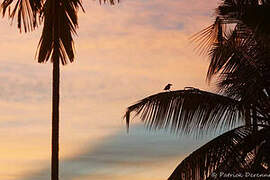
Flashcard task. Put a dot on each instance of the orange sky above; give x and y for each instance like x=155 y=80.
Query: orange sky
x=123 y=53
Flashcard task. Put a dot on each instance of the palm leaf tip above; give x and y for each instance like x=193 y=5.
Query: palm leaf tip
x=27 y=12
x=127 y=117
x=111 y=2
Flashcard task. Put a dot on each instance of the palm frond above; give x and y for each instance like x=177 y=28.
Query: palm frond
x=247 y=85
x=234 y=50
x=26 y=11
x=60 y=17
x=231 y=152
x=202 y=162
x=111 y=2
x=250 y=155
x=239 y=30
x=254 y=14
x=244 y=82
x=188 y=111
x=65 y=19
x=208 y=36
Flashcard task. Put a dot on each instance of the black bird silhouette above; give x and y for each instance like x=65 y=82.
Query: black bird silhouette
x=167 y=88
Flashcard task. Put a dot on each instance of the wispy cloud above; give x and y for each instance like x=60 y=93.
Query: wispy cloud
x=138 y=154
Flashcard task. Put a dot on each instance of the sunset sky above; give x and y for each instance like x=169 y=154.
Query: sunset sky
x=123 y=53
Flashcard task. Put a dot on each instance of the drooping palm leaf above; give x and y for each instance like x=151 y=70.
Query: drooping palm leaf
x=250 y=155
x=188 y=111
x=66 y=21
x=202 y=162
x=26 y=11
x=60 y=16
x=231 y=152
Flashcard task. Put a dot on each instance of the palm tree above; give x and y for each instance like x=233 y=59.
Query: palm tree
x=60 y=22
x=239 y=51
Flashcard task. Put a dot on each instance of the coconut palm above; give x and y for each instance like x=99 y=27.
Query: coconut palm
x=60 y=21
x=239 y=59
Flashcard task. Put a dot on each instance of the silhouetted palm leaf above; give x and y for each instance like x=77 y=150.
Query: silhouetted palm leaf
x=239 y=34
x=236 y=151
x=202 y=162
x=209 y=36
x=251 y=155
x=66 y=22
x=245 y=83
x=26 y=11
x=253 y=13
x=62 y=16
x=112 y=2
x=234 y=51
x=191 y=111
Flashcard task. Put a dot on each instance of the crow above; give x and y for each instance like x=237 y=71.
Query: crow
x=167 y=88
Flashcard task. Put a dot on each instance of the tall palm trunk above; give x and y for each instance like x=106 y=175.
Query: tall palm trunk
x=55 y=95
x=55 y=120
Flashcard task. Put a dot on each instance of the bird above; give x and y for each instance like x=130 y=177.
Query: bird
x=167 y=88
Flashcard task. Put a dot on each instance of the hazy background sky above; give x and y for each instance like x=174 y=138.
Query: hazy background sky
x=123 y=53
